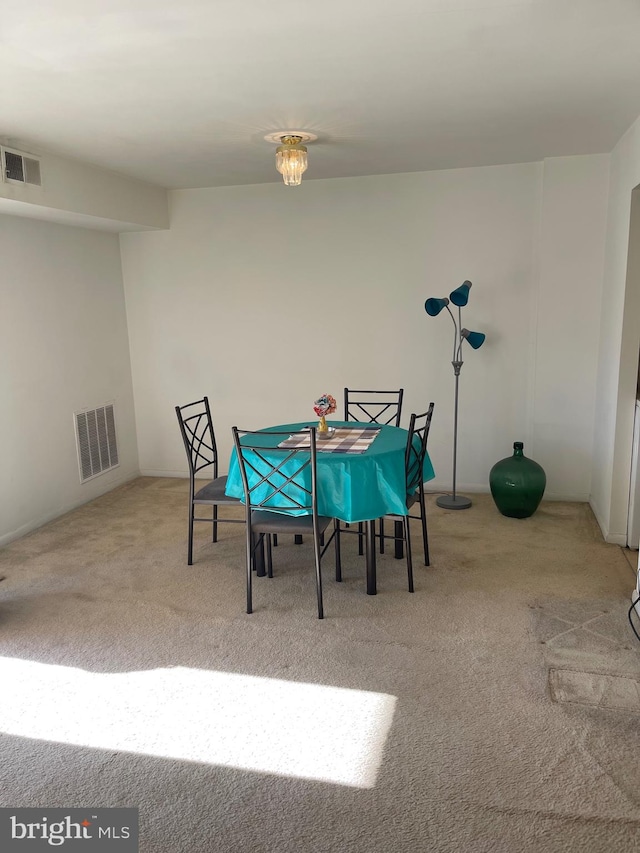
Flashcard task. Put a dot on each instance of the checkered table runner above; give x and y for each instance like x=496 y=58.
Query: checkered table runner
x=342 y=440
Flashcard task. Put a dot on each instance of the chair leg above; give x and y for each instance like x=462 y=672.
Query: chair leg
x=425 y=542
x=275 y=540
x=407 y=537
x=250 y=547
x=316 y=549
x=425 y=537
x=382 y=535
x=269 y=558
x=190 y=545
x=215 y=522
x=336 y=527
x=360 y=539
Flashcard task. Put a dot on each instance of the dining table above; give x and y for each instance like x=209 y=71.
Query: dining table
x=359 y=479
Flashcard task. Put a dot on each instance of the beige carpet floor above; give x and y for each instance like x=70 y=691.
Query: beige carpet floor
x=496 y=709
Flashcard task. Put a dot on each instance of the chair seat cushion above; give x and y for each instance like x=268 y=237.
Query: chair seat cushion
x=277 y=522
x=213 y=492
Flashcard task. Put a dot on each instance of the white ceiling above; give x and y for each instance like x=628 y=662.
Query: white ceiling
x=181 y=94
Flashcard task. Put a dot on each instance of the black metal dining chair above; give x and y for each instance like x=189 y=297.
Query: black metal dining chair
x=196 y=428
x=278 y=481
x=378 y=407
x=419 y=426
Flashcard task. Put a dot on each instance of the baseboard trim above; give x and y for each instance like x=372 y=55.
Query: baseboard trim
x=615 y=539
x=36 y=523
x=610 y=538
x=155 y=472
x=433 y=487
x=635 y=595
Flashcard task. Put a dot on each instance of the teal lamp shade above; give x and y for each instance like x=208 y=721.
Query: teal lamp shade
x=434 y=306
x=476 y=339
x=460 y=296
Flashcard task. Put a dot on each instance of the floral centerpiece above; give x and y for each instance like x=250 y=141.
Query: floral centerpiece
x=325 y=405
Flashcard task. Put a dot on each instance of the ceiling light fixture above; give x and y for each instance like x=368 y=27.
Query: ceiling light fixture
x=291 y=154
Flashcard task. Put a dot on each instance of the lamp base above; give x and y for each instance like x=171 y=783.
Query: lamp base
x=449 y=502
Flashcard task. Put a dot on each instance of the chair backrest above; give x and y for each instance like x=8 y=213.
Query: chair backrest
x=378 y=407
x=278 y=479
x=199 y=438
x=419 y=426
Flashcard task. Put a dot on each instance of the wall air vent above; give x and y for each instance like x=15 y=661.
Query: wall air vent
x=19 y=168
x=96 y=441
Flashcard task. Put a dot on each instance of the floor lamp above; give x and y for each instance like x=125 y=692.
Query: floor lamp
x=459 y=297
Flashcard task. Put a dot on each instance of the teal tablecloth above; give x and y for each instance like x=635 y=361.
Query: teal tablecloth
x=353 y=486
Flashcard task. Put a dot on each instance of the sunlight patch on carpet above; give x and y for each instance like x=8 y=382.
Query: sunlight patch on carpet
x=614 y=692
x=308 y=731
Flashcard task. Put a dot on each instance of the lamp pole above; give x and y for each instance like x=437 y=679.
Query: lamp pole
x=454 y=501
x=433 y=307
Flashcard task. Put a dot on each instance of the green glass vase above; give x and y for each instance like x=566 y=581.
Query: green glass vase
x=517 y=484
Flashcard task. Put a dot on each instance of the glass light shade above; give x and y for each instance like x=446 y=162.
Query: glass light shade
x=460 y=296
x=434 y=306
x=291 y=160
x=475 y=339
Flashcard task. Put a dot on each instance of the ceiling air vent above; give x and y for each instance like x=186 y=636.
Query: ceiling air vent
x=96 y=441
x=19 y=168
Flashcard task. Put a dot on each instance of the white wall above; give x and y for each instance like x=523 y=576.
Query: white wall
x=264 y=297
x=568 y=298
x=73 y=191
x=63 y=347
x=620 y=342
